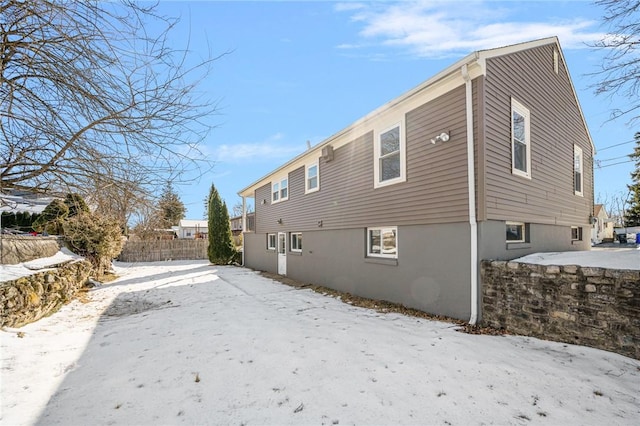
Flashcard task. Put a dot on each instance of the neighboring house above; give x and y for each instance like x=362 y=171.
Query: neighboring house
x=489 y=159
x=14 y=201
x=188 y=228
x=602 y=230
x=236 y=224
x=627 y=234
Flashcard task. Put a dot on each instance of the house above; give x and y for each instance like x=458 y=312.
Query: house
x=236 y=223
x=16 y=201
x=188 y=228
x=490 y=158
x=602 y=230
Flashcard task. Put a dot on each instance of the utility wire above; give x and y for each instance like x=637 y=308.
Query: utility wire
x=611 y=159
x=618 y=144
x=614 y=164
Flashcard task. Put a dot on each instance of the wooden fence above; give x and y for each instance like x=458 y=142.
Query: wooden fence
x=161 y=250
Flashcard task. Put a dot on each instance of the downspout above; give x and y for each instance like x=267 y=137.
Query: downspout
x=473 y=225
x=244 y=224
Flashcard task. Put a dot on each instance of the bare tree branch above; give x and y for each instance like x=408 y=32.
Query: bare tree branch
x=92 y=93
x=620 y=69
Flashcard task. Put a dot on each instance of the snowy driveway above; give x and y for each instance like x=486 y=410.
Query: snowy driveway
x=189 y=343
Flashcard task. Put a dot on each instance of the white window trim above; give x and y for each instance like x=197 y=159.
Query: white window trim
x=307 y=190
x=524 y=232
x=278 y=183
x=523 y=111
x=376 y=156
x=275 y=241
x=578 y=151
x=298 y=250
x=382 y=229
x=579 y=233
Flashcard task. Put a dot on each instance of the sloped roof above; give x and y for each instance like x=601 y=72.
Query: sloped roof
x=597 y=208
x=32 y=203
x=191 y=223
x=475 y=63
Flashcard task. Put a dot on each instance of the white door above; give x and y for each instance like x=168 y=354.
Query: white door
x=282 y=253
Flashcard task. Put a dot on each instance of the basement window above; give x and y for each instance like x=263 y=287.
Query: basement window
x=576 y=233
x=516 y=232
x=382 y=242
x=271 y=241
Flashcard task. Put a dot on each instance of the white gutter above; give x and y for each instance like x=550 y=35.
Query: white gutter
x=473 y=225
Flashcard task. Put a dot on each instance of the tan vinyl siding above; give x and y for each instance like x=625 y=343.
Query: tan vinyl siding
x=479 y=147
x=435 y=190
x=556 y=125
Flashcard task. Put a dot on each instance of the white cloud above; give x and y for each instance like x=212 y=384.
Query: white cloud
x=438 y=29
x=272 y=148
x=348 y=6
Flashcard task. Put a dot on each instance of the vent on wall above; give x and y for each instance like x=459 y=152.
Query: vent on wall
x=327 y=153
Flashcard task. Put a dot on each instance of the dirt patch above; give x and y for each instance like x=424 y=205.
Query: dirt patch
x=383 y=306
x=107 y=277
x=83 y=295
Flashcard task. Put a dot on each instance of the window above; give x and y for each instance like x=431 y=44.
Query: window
x=516 y=232
x=280 y=190
x=389 y=155
x=577 y=170
x=271 y=241
x=382 y=242
x=296 y=241
x=312 y=178
x=520 y=140
x=576 y=233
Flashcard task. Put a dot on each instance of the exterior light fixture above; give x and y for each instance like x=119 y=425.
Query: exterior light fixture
x=442 y=137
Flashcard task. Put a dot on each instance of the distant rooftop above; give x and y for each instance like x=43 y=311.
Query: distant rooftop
x=21 y=201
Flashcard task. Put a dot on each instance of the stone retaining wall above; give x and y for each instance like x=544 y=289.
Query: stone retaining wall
x=595 y=307
x=27 y=299
x=16 y=249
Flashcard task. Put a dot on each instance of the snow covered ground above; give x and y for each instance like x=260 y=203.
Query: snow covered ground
x=188 y=343
x=615 y=258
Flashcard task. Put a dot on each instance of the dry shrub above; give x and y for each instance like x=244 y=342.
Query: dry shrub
x=97 y=238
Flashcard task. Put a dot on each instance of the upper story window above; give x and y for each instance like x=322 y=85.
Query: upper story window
x=312 y=178
x=389 y=156
x=520 y=140
x=280 y=190
x=577 y=170
x=382 y=242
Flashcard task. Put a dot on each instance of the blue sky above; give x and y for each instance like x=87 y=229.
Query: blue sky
x=302 y=71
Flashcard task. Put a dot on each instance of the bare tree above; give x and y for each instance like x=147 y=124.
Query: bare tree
x=620 y=72
x=91 y=90
x=123 y=200
x=237 y=209
x=615 y=205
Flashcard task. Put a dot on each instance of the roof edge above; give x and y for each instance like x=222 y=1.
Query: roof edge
x=478 y=56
